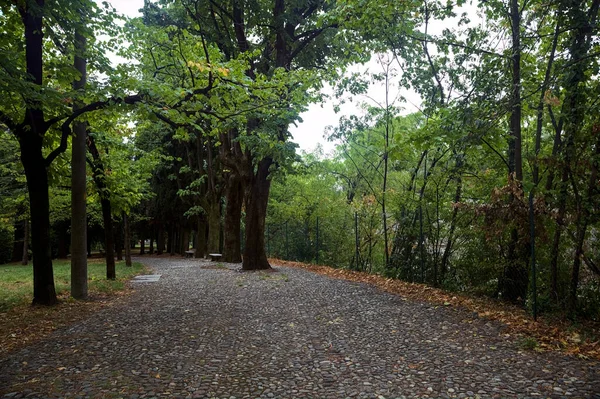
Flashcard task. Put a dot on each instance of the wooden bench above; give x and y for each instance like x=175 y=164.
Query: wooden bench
x=190 y=254
x=215 y=257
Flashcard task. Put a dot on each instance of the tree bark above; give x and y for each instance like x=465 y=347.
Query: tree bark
x=30 y=137
x=44 y=292
x=214 y=226
x=255 y=257
x=233 y=216
x=79 y=280
x=127 y=244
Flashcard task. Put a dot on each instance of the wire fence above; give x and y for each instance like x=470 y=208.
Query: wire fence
x=347 y=242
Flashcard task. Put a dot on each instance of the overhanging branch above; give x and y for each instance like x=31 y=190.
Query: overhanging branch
x=66 y=126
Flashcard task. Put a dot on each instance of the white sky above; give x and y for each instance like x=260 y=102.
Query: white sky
x=309 y=133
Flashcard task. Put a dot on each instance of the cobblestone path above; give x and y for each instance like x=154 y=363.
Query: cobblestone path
x=208 y=331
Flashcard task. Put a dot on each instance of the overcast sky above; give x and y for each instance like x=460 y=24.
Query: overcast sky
x=309 y=133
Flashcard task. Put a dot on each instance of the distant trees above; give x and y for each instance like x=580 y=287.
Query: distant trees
x=508 y=110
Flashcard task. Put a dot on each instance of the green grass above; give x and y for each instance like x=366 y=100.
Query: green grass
x=16 y=281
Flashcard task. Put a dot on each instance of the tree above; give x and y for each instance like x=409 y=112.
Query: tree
x=33 y=107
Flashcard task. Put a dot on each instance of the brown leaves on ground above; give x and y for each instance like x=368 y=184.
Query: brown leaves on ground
x=24 y=325
x=550 y=334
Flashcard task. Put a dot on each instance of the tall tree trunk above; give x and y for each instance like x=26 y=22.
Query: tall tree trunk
x=513 y=284
x=127 y=244
x=201 y=238
x=214 y=226
x=98 y=174
x=79 y=280
x=255 y=257
x=31 y=143
x=25 y=258
x=44 y=292
x=233 y=216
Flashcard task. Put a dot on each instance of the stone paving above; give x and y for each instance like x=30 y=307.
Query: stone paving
x=205 y=330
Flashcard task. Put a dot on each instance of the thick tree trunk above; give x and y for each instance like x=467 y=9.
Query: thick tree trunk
x=201 y=238
x=109 y=239
x=255 y=257
x=79 y=281
x=214 y=227
x=233 y=216
x=44 y=292
x=127 y=244
x=31 y=143
x=25 y=257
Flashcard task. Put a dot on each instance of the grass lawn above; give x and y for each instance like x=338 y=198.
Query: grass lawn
x=16 y=281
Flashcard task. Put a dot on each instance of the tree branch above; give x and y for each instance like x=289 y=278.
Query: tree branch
x=66 y=126
x=13 y=127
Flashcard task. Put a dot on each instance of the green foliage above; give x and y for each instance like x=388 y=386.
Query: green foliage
x=6 y=241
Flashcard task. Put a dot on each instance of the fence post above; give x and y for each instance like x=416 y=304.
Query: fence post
x=287 y=247
x=317 y=240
